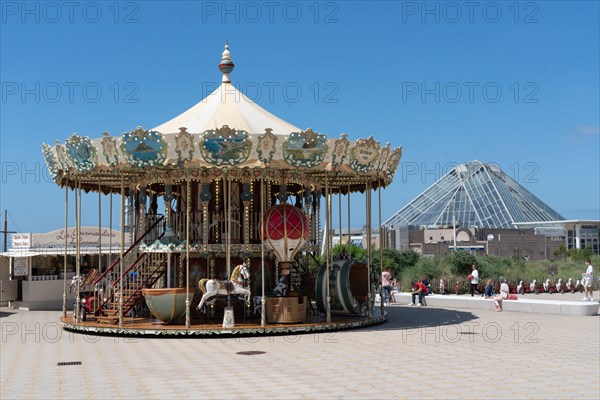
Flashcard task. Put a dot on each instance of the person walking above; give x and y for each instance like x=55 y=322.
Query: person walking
x=474 y=277
x=588 y=278
x=386 y=286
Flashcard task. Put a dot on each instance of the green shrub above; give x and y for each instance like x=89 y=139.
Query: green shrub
x=460 y=262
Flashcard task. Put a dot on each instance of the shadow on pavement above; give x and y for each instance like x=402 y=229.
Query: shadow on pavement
x=419 y=317
x=5 y=314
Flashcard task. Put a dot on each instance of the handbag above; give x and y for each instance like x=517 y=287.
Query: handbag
x=512 y=297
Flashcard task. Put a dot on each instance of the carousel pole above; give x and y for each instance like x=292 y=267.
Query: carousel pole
x=381 y=244
x=228 y=316
x=168 y=270
x=122 y=251
x=187 y=254
x=368 y=217
x=330 y=240
x=227 y=204
x=340 y=214
x=349 y=219
x=104 y=287
x=327 y=250
x=96 y=297
x=78 y=249
x=263 y=317
x=110 y=226
x=66 y=251
x=308 y=218
x=99 y=229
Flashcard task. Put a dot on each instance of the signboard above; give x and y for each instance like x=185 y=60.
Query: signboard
x=20 y=266
x=589 y=230
x=550 y=231
x=89 y=237
x=21 y=240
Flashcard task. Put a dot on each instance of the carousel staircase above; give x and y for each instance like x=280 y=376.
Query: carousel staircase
x=142 y=271
x=307 y=285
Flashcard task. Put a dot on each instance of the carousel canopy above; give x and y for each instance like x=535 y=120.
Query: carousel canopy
x=227 y=106
x=226 y=133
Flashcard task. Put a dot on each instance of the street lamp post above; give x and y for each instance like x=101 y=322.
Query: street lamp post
x=490 y=238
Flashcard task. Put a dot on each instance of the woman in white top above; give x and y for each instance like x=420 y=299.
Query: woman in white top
x=588 y=277
x=502 y=296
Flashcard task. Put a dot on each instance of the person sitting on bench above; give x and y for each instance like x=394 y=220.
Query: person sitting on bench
x=421 y=291
x=504 y=291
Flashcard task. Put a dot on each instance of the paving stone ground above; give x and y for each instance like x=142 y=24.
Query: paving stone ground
x=423 y=353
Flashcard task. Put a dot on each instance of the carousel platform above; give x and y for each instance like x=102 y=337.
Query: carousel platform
x=150 y=327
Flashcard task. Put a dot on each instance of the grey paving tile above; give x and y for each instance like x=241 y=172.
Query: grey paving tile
x=349 y=364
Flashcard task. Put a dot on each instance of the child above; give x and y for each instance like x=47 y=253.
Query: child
x=489 y=289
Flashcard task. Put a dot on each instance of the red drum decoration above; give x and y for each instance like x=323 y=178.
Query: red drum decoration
x=284 y=228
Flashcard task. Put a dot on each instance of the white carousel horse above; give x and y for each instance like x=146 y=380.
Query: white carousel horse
x=257 y=304
x=281 y=287
x=519 y=286
x=442 y=286
x=532 y=286
x=74 y=281
x=558 y=284
x=210 y=288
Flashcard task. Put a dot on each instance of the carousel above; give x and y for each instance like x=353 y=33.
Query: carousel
x=224 y=211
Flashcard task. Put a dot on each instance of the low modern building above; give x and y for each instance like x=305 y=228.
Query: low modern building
x=33 y=272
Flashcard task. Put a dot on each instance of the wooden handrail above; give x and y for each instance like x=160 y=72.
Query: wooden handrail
x=143 y=283
x=110 y=268
x=133 y=264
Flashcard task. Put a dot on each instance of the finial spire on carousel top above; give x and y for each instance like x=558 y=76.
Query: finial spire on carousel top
x=226 y=65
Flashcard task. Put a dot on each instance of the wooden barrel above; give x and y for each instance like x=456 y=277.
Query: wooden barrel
x=348 y=287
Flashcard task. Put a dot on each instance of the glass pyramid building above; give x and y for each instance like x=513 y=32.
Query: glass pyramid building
x=475 y=194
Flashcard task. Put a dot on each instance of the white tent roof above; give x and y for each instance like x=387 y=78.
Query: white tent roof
x=227 y=106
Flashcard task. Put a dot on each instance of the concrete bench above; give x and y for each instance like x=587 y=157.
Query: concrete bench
x=521 y=305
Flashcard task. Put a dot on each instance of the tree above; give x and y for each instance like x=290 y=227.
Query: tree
x=356 y=253
x=460 y=262
x=561 y=251
x=408 y=258
x=397 y=260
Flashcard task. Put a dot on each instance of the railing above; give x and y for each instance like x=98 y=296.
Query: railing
x=144 y=272
x=133 y=246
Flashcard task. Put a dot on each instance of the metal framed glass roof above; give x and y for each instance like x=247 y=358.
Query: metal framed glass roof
x=474 y=194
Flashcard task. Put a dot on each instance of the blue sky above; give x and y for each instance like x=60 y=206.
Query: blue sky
x=513 y=83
